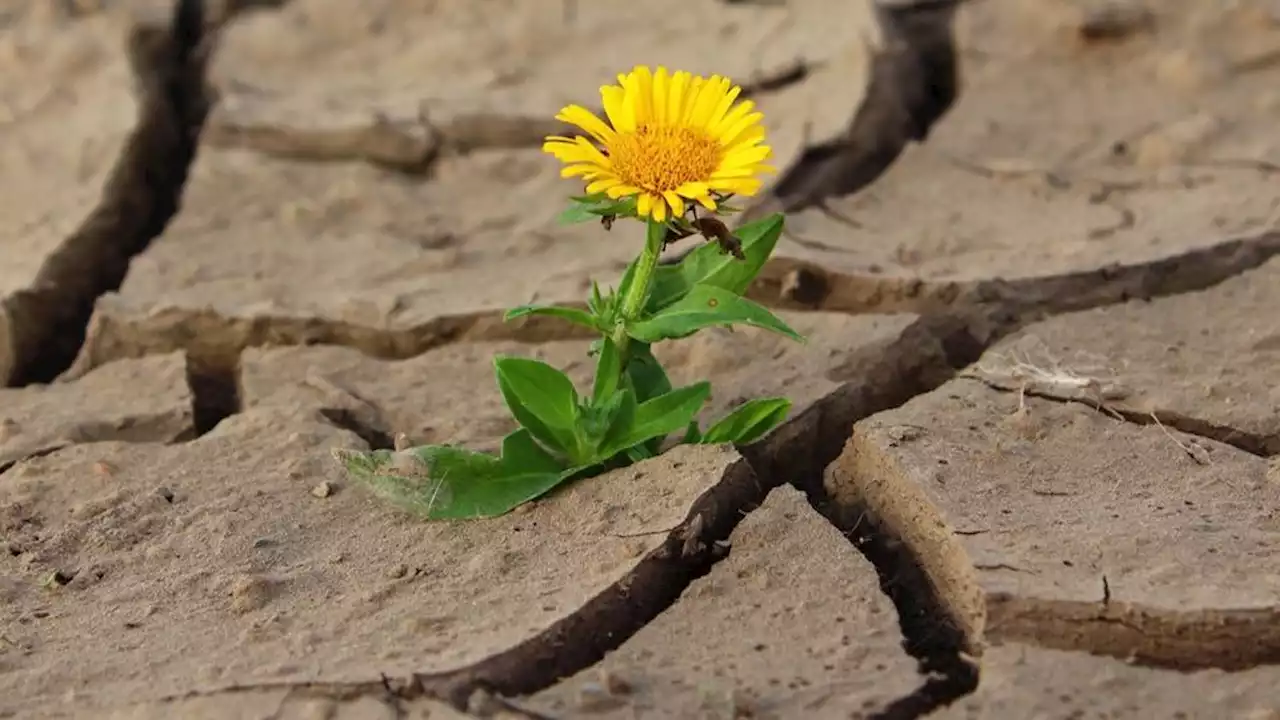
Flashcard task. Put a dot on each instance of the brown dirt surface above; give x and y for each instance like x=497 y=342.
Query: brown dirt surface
x=792 y=623
x=1033 y=467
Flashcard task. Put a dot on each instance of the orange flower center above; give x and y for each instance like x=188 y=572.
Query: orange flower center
x=662 y=158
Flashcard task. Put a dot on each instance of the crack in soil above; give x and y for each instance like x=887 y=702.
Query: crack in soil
x=785 y=283
x=1258 y=444
x=960 y=321
x=208 y=332
x=580 y=640
x=214 y=381
x=914 y=81
x=1233 y=639
x=47 y=324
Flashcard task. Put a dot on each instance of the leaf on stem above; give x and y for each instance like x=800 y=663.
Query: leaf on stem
x=573 y=315
x=707 y=306
x=748 y=422
x=441 y=482
x=585 y=208
x=658 y=417
x=708 y=264
x=608 y=371
x=542 y=399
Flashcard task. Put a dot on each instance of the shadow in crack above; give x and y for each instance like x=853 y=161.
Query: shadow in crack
x=939 y=646
x=215 y=390
x=914 y=82
x=48 y=323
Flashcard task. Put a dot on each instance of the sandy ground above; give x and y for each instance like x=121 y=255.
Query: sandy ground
x=1034 y=467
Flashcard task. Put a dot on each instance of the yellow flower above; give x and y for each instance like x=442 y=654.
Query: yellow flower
x=670 y=138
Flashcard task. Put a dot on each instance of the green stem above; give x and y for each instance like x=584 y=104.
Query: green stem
x=641 y=283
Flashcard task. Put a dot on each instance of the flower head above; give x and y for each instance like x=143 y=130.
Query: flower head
x=669 y=139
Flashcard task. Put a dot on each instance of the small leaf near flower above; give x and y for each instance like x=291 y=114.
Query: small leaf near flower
x=708 y=265
x=707 y=306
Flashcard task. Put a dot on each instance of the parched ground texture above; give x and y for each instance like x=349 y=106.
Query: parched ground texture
x=1034 y=466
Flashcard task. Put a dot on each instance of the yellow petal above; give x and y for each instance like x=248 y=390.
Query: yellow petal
x=676 y=99
x=615 y=106
x=744 y=186
x=676 y=203
x=592 y=152
x=693 y=190
x=722 y=107
x=660 y=95
x=644 y=205
x=749 y=137
x=584 y=169
x=733 y=173
x=618 y=192
x=731 y=118
x=659 y=209
x=693 y=92
x=737 y=129
x=603 y=184
x=587 y=120
x=748 y=156
x=641 y=92
x=709 y=94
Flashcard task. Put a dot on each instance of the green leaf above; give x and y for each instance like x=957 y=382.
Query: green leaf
x=620 y=428
x=659 y=417
x=749 y=422
x=648 y=378
x=521 y=451
x=596 y=303
x=592 y=207
x=708 y=264
x=441 y=482
x=608 y=372
x=707 y=306
x=693 y=434
x=573 y=315
x=597 y=421
x=542 y=399
x=575 y=214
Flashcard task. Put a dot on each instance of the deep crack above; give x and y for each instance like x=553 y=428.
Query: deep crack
x=48 y=323
x=215 y=390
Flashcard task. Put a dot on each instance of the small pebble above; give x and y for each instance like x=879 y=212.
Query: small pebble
x=398 y=571
x=165 y=493
x=323 y=490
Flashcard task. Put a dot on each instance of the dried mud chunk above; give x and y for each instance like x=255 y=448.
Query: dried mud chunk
x=145 y=400
x=1089 y=533
x=472 y=592
x=448 y=395
x=792 y=623
x=993 y=195
x=1205 y=362
x=1022 y=681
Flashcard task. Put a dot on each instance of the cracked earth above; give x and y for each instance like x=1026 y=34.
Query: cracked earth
x=1034 y=465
